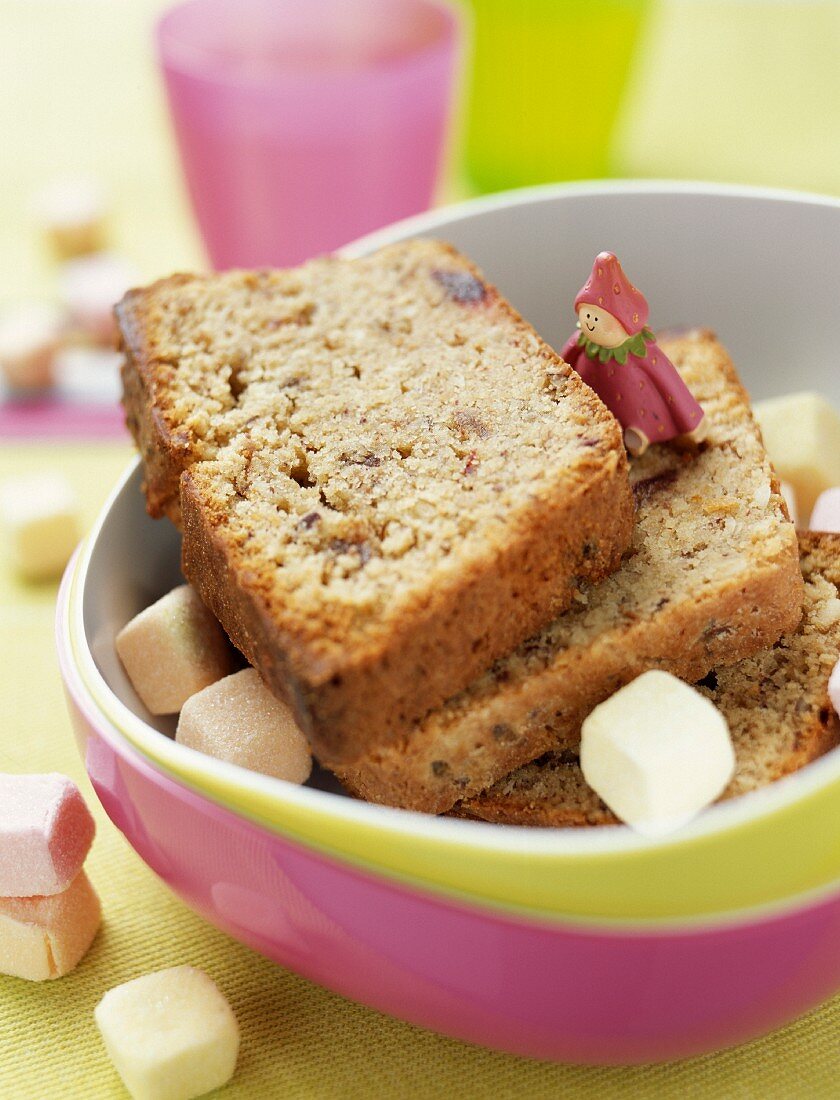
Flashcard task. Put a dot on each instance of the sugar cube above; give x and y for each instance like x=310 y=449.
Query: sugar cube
x=171 y=1035
x=238 y=719
x=71 y=211
x=46 y=937
x=46 y=831
x=826 y=513
x=30 y=335
x=656 y=752
x=90 y=286
x=39 y=513
x=802 y=435
x=173 y=649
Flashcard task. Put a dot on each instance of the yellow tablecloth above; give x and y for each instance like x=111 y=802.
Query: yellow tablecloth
x=78 y=92
x=298 y=1041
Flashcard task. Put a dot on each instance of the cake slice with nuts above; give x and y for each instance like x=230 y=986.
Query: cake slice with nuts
x=385 y=479
x=712 y=577
x=776 y=704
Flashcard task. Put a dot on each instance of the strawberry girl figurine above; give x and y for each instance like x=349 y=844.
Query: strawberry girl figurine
x=616 y=354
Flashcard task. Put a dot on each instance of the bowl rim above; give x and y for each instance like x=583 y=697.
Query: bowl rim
x=549 y=920
x=546 y=192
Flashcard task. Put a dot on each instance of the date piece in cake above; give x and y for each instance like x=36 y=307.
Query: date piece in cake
x=776 y=703
x=713 y=576
x=385 y=479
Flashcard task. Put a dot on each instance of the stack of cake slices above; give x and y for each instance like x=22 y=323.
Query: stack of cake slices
x=421 y=528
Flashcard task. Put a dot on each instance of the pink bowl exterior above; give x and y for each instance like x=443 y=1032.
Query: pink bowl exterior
x=561 y=991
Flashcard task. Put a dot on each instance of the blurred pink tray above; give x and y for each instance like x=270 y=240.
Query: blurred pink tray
x=53 y=418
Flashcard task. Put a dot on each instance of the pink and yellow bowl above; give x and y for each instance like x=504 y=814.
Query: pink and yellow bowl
x=580 y=945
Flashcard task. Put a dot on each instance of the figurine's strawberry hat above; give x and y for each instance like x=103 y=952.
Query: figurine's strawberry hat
x=609 y=288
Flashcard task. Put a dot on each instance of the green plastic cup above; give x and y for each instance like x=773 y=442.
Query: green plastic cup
x=546 y=86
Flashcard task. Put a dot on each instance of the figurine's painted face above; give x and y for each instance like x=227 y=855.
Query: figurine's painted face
x=601 y=327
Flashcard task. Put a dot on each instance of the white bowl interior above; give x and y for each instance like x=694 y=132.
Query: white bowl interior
x=747 y=264
x=758 y=267
x=127 y=582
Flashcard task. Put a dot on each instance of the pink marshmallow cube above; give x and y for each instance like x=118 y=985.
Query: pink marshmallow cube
x=826 y=513
x=46 y=831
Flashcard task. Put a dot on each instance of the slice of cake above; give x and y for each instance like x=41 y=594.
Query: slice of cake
x=776 y=703
x=713 y=576
x=385 y=479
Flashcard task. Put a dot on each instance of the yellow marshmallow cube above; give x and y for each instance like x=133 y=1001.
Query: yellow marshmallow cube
x=657 y=752
x=173 y=649
x=39 y=513
x=171 y=1035
x=72 y=213
x=802 y=435
x=238 y=719
x=46 y=937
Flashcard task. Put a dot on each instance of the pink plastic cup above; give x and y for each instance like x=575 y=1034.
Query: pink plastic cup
x=304 y=124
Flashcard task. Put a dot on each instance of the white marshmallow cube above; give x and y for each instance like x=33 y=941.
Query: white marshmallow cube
x=173 y=649
x=238 y=719
x=39 y=514
x=171 y=1035
x=657 y=752
x=802 y=435
x=71 y=211
x=90 y=287
x=89 y=375
x=30 y=336
x=826 y=513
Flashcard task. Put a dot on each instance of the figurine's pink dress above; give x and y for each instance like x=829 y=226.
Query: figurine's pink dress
x=646 y=394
